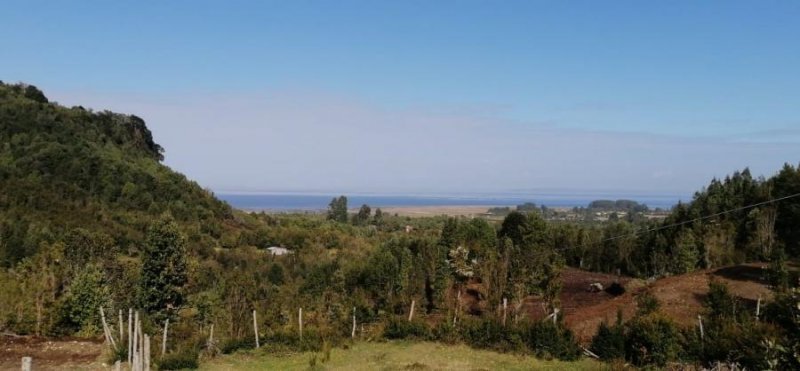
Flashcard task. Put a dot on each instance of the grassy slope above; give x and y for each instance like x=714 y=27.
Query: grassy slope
x=400 y=355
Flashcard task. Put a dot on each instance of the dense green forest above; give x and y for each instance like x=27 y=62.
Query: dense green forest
x=89 y=217
x=62 y=168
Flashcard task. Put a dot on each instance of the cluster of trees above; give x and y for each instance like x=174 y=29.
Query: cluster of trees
x=618 y=205
x=91 y=218
x=337 y=211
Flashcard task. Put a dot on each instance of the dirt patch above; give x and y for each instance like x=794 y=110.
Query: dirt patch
x=681 y=297
x=49 y=354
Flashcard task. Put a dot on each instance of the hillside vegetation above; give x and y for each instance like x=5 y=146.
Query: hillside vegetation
x=90 y=219
x=62 y=168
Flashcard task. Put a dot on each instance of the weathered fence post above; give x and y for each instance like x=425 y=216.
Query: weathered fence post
x=353 y=333
x=210 y=344
x=700 y=323
x=130 y=335
x=255 y=328
x=300 y=321
x=107 y=330
x=164 y=341
x=121 y=324
x=141 y=345
x=411 y=312
x=26 y=363
x=146 y=352
x=758 y=307
x=135 y=337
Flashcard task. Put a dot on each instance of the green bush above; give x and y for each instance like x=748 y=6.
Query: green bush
x=397 y=328
x=118 y=354
x=647 y=303
x=609 y=342
x=547 y=339
x=652 y=339
x=232 y=345
x=178 y=361
x=312 y=340
x=490 y=334
x=446 y=333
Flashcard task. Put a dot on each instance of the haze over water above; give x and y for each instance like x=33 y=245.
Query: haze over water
x=319 y=201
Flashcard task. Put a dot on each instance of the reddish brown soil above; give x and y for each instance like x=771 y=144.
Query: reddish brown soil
x=50 y=354
x=681 y=297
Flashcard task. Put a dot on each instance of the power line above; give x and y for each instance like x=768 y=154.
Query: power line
x=636 y=233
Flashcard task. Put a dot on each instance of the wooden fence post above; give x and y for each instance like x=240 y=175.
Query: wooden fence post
x=210 y=344
x=255 y=328
x=411 y=312
x=146 y=353
x=353 y=333
x=164 y=341
x=121 y=324
x=141 y=345
x=300 y=321
x=130 y=335
x=700 y=323
x=135 y=336
x=758 y=307
x=107 y=330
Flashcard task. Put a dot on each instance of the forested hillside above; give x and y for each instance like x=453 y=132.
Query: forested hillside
x=734 y=220
x=62 y=168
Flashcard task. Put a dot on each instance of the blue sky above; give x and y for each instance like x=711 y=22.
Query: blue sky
x=460 y=96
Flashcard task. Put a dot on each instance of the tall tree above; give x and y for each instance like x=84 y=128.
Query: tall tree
x=378 y=218
x=163 y=274
x=363 y=215
x=337 y=209
x=787 y=183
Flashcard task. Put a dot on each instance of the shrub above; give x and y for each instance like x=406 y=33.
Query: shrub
x=398 y=328
x=546 y=338
x=446 y=333
x=178 y=361
x=720 y=302
x=78 y=309
x=312 y=340
x=646 y=303
x=118 y=354
x=609 y=342
x=489 y=334
x=652 y=339
x=231 y=345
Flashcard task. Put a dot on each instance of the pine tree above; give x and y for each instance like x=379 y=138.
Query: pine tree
x=163 y=274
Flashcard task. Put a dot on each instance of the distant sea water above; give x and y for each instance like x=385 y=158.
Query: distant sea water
x=315 y=202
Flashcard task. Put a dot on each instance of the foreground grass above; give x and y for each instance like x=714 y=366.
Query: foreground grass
x=399 y=355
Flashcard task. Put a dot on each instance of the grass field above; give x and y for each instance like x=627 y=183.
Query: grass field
x=400 y=355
